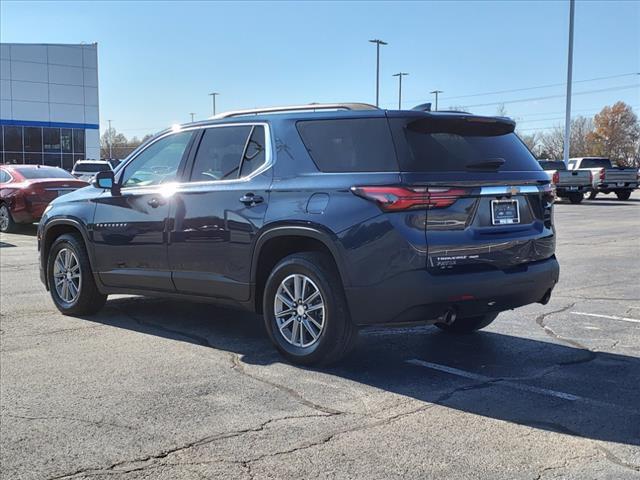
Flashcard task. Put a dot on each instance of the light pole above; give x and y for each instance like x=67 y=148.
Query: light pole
x=110 y=137
x=213 y=98
x=378 y=43
x=192 y=115
x=400 y=75
x=567 y=120
x=436 y=92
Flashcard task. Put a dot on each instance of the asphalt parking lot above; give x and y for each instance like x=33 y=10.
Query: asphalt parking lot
x=156 y=389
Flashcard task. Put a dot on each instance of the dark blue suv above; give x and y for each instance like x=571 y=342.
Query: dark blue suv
x=323 y=218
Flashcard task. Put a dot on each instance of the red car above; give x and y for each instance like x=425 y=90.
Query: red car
x=26 y=190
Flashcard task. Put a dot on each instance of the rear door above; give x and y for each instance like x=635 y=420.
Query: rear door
x=219 y=210
x=490 y=202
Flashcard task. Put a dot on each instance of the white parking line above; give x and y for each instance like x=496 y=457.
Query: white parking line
x=610 y=317
x=517 y=386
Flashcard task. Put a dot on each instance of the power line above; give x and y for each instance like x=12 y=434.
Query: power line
x=541 y=86
x=531 y=99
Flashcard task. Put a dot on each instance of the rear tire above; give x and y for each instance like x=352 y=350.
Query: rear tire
x=319 y=290
x=592 y=195
x=7 y=225
x=68 y=262
x=576 y=197
x=623 y=194
x=468 y=324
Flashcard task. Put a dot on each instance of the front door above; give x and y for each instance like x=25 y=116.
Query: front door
x=130 y=227
x=219 y=211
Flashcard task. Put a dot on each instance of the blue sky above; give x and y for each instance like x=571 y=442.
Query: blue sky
x=159 y=60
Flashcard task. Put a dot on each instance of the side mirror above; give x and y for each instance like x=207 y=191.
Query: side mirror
x=106 y=180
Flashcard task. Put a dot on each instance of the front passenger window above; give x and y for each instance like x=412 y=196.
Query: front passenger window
x=158 y=163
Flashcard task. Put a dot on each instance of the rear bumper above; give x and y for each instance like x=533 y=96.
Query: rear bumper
x=612 y=186
x=418 y=296
x=567 y=190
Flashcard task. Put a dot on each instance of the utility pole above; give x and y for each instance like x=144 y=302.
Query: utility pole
x=378 y=43
x=192 y=115
x=567 y=120
x=110 y=137
x=400 y=75
x=436 y=92
x=213 y=97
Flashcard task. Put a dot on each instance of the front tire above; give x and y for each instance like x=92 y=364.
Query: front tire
x=305 y=310
x=70 y=278
x=7 y=225
x=576 y=197
x=468 y=324
x=623 y=194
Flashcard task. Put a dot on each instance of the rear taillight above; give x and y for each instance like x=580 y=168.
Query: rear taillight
x=602 y=174
x=590 y=176
x=394 y=199
x=549 y=193
x=556 y=178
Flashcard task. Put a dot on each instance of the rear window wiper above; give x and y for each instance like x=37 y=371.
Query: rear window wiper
x=488 y=164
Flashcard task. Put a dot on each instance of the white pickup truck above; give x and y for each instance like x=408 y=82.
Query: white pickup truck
x=571 y=184
x=606 y=177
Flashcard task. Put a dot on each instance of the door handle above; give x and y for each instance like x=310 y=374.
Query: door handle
x=155 y=202
x=250 y=199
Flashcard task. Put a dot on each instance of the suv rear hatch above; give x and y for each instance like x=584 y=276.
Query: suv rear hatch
x=488 y=202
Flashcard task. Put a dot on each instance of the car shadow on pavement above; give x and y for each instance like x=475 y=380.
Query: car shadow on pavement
x=540 y=384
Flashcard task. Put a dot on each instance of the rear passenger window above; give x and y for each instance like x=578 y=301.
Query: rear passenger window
x=219 y=153
x=349 y=145
x=255 y=154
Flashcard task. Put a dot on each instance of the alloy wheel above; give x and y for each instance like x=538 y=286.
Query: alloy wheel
x=67 y=276
x=299 y=310
x=4 y=218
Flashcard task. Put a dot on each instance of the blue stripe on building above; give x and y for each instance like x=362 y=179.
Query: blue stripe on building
x=29 y=123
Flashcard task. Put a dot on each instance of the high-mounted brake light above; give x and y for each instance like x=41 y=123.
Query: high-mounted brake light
x=394 y=199
x=556 y=177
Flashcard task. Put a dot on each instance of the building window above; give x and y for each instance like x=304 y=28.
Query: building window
x=51 y=140
x=13 y=157
x=78 y=142
x=66 y=140
x=67 y=161
x=53 y=159
x=13 y=139
x=33 y=139
x=33 y=158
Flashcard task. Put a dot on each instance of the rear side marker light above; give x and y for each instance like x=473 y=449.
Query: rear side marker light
x=395 y=199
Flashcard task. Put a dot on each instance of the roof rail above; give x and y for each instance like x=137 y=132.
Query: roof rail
x=298 y=108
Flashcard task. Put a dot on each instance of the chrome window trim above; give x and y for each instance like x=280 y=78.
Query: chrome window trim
x=265 y=166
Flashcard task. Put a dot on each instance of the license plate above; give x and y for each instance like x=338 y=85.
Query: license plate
x=573 y=188
x=621 y=184
x=505 y=212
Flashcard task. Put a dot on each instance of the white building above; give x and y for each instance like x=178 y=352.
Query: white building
x=49 y=103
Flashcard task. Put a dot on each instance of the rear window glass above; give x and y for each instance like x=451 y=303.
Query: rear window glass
x=552 y=165
x=349 y=145
x=595 y=163
x=92 y=167
x=456 y=147
x=43 y=172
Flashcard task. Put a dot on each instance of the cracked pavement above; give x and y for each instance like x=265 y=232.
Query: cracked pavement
x=157 y=389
